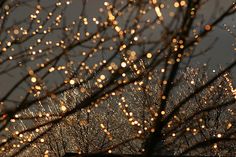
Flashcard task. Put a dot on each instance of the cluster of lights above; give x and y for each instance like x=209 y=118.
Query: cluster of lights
x=106 y=131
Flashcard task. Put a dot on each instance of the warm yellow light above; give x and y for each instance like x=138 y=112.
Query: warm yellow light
x=117 y=28
x=110 y=16
x=163 y=112
x=72 y=82
x=41 y=140
x=51 y=69
x=149 y=55
x=176 y=4
x=158 y=11
x=123 y=64
x=38 y=87
x=207 y=27
x=102 y=77
x=33 y=79
x=229 y=126
x=63 y=108
x=16 y=31
x=102 y=126
x=182 y=3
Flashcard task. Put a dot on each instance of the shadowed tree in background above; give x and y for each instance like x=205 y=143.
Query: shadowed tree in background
x=121 y=123
x=127 y=50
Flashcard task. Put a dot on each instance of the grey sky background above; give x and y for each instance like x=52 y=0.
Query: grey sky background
x=221 y=54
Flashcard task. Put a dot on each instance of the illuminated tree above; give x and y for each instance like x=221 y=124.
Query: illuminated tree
x=49 y=51
x=121 y=123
